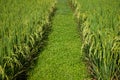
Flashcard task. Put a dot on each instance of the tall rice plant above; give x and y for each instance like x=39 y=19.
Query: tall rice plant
x=100 y=27
x=22 y=24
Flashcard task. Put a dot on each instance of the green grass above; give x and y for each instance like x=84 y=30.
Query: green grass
x=62 y=58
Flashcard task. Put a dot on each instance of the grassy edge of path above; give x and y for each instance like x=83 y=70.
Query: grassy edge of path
x=61 y=59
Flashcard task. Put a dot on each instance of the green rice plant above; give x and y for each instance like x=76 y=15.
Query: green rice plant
x=99 y=26
x=22 y=24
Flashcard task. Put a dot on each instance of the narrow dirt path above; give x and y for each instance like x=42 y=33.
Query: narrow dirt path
x=62 y=58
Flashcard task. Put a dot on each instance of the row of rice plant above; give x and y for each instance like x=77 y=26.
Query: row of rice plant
x=99 y=22
x=22 y=24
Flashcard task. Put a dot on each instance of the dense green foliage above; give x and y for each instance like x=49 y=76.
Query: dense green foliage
x=99 y=22
x=22 y=24
x=62 y=58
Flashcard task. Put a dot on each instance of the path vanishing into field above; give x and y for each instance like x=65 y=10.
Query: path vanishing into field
x=62 y=57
